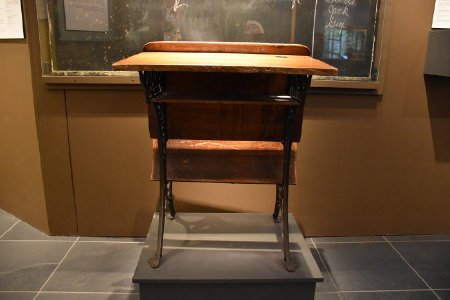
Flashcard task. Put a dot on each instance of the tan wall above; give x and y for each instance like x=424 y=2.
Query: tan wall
x=21 y=185
x=51 y=121
x=111 y=162
x=367 y=164
x=377 y=165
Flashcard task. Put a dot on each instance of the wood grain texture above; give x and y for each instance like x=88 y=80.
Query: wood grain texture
x=226 y=121
x=227 y=47
x=224 y=62
x=225 y=84
x=224 y=161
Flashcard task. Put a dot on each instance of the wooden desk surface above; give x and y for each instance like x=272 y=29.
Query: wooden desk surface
x=225 y=62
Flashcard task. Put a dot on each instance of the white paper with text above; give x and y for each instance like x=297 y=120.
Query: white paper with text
x=11 y=23
x=441 y=17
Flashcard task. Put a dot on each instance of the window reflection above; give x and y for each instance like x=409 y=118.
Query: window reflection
x=346 y=44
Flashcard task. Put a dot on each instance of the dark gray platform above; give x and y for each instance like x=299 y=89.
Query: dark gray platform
x=226 y=256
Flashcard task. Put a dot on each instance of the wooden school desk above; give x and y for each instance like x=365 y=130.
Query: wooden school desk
x=225 y=112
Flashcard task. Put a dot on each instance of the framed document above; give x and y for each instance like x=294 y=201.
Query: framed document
x=11 y=21
x=441 y=16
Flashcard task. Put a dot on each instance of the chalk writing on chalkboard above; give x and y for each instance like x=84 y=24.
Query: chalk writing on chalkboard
x=344 y=35
x=339 y=12
x=340 y=32
x=178 y=5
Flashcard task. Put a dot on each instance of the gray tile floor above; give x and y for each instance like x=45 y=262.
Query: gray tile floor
x=36 y=266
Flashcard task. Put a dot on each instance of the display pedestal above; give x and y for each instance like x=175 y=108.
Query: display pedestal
x=226 y=256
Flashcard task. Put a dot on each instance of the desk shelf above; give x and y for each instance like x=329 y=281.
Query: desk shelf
x=225 y=161
x=236 y=98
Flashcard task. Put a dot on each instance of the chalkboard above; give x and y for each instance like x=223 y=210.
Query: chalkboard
x=340 y=32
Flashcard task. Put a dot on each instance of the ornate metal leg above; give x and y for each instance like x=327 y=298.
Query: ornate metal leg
x=170 y=209
x=278 y=201
x=153 y=83
x=297 y=90
x=163 y=188
x=287 y=144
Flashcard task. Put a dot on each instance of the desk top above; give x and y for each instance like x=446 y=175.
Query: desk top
x=224 y=62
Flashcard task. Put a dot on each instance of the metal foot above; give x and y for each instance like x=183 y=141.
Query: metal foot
x=154 y=261
x=291 y=266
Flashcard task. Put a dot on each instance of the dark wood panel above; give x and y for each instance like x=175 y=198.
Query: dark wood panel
x=224 y=161
x=225 y=83
x=226 y=121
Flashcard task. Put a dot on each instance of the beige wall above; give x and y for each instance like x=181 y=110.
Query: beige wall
x=367 y=164
x=111 y=162
x=375 y=165
x=51 y=121
x=21 y=185
x=35 y=177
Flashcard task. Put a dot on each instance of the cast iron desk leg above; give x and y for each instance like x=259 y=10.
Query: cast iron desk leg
x=287 y=144
x=298 y=86
x=153 y=86
x=164 y=189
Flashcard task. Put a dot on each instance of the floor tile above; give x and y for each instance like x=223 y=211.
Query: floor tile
x=368 y=266
x=112 y=239
x=430 y=259
x=87 y=296
x=17 y=295
x=23 y=231
x=97 y=267
x=412 y=238
x=350 y=239
x=401 y=295
x=327 y=296
x=25 y=266
x=6 y=221
x=445 y=295
x=327 y=284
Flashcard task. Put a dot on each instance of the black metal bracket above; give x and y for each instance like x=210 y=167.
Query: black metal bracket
x=153 y=83
x=298 y=87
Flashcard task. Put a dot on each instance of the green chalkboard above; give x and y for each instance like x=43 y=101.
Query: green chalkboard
x=340 y=32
